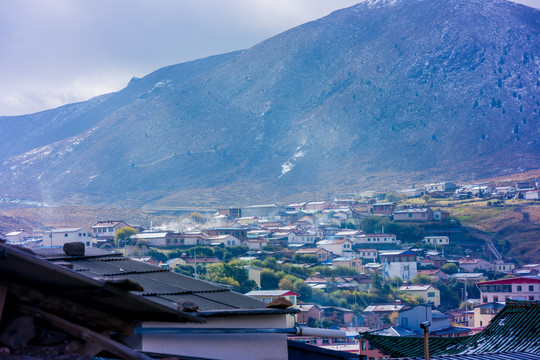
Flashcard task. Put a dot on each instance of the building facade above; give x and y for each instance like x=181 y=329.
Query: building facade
x=520 y=288
x=398 y=263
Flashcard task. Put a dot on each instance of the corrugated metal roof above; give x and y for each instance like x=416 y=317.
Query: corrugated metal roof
x=491 y=356
x=166 y=288
x=203 y=303
x=166 y=282
x=58 y=252
x=515 y=328
x=30 y=270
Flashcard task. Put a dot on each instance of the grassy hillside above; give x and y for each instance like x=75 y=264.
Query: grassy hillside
x=514 y=226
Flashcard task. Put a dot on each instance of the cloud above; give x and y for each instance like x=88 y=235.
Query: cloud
x=61 y=51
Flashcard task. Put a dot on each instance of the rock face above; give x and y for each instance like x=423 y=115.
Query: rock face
x=382 y=93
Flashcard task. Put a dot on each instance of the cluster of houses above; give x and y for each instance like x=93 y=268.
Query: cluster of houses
x=316 y=233
x=297 y=223
x=507 y=189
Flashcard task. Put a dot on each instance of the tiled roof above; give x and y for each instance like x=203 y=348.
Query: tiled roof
x=415 y=210
x=107 y=224
x=514 y=329
x=518 y=280
x=428 y=272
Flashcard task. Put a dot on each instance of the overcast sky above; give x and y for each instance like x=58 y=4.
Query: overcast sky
x=54 y=52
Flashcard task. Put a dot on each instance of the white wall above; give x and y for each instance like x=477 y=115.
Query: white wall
x=59 y=239
x=222 y=346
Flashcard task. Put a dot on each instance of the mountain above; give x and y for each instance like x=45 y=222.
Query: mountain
x=384 y=93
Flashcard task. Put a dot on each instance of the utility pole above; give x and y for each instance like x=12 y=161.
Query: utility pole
x=425 y=326
x=195 y=263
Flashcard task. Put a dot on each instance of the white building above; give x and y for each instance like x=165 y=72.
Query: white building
x=58 y=237
x=107 y=229
x=437 y=240
x=375 y=239
x=398 y=263
x=17 y=236
x=226 y=240
x=532 y=195
x=444 y=186
x=338 y=247
x=368 y=253
x=412 y=193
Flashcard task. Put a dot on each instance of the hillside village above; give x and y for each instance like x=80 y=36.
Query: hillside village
x=382 y=265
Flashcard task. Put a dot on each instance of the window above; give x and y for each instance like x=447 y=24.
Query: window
x=431 y=294
x=364 y=344
x=404 y=322
x=495 y=298
x=519 y=288
x=531 y=298
x=484 y=299
x=110 y=229
x=531 y=287
x=66 y=235
x=410 y=215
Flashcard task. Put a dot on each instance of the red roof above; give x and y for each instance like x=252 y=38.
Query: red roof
x=428 y=272
x=519 y=280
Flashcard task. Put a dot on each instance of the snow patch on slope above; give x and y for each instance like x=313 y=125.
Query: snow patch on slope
x=289 y=165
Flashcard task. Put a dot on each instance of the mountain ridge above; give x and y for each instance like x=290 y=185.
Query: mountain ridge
x=378 y=94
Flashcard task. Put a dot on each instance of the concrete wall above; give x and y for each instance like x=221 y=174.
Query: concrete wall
x=222 y=346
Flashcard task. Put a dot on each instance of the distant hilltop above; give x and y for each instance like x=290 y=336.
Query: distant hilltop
x=401 y=92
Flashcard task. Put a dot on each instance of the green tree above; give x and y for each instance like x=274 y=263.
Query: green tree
x=269 y=280
x=421 y=279
x=426 y=198
x=233 y=275
x=391 y=197
x=158 y=255
x=450 y=268
x=304 y=291
x=124 y=236
x=196 y=217
x=286 y=284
